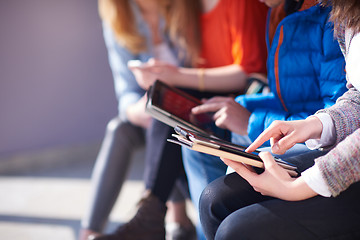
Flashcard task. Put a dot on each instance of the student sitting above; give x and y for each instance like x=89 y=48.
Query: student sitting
x=267 y=205
x=305 y=73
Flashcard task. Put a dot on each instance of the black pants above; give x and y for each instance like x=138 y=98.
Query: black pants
x=163 y=162
x=231 y=209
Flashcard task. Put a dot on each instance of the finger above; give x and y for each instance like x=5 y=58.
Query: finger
x=263 y=137
x=284 y=144
x=271 y=165
x=219 y=114
x=288 y=141
x=241 y=169
x=142 y=69
x=281 y=143
x=217 y=99
x=160 y=62
x=152 y=61
x=206 y=107
x=274 y=145
x=132 y=68
x=220 y=121
x=268 y=160
x=273 y=141
x=273 y=131
x=251 y=169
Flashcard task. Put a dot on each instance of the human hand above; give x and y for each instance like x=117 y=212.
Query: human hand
x=137 y=115
x=285 y=134
x=228 y=113
x=275 y=181
x=149 y=72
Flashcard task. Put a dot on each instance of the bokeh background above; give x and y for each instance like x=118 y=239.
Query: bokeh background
x=56 y=87
x=56 y=97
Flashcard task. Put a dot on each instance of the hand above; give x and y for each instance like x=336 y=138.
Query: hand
x=228 y=113
x=137 y=115
x=285 y=134
x=152 y=70
x=274 y=181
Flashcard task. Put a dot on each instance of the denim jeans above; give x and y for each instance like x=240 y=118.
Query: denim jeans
x=201 y=169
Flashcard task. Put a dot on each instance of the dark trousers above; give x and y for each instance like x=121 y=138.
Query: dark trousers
x=163 y=163
x=231 y=209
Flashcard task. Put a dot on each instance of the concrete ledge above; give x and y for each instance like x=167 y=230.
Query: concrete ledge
x=35 y=231
x=48 y=158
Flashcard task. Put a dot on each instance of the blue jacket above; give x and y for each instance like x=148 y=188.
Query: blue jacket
x=305 y=71
x=126 y=88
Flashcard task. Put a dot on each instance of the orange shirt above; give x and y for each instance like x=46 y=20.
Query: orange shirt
x=234 y=33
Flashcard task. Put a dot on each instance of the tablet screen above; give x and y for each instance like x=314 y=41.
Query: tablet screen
x=179 y=104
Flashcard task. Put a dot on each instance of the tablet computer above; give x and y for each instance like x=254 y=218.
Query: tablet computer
x=173 y=106
x=222 y=148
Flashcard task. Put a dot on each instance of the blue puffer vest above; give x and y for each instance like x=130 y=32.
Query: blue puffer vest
x=305 y=71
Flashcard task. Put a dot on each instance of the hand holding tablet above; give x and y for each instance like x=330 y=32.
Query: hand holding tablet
x=224 y=149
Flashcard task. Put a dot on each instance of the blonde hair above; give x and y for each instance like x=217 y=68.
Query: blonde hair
x=182 y=23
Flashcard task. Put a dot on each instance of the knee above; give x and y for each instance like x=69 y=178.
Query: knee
x=214 y=193
x=210 y=203
x=118 y=127
x=118 y=130
x=125 y=133
x=252 y=222
x=208 y=198
x=114 y=124
x=229 y=231
x=234 y=227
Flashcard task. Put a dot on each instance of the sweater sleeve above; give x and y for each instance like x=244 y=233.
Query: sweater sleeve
x=341 y=166
x=345 y=114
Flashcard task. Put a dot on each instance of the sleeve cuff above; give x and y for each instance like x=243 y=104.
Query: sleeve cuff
x=328 y=135
x=312 y=177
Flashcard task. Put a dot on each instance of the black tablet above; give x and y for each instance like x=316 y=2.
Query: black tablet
x=173 y=107
x=222 y=148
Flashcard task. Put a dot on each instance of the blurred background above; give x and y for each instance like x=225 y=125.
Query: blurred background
x=56 y=97
x=56 y=85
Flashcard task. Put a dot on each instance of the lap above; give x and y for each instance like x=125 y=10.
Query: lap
x=258 y=217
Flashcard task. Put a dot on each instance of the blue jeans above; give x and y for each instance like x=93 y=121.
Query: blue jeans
x=201 y=169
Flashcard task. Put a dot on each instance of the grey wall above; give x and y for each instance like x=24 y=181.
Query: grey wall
x=56 y=87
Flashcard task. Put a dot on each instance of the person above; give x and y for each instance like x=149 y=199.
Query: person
x=246 y=20
x=128 y=38
x=323 y=202
x=303 y=76
x=223 y=62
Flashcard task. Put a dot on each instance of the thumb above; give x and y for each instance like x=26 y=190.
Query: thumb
x=269 y=161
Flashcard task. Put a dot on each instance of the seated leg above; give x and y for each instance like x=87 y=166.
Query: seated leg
x=110 y=170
